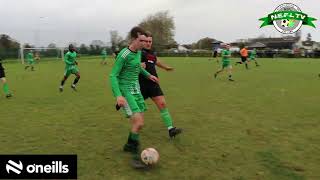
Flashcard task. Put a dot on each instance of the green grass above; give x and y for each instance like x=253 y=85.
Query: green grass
x=263 y=126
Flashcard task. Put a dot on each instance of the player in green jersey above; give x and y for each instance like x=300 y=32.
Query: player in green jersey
x=253 y=55
x=104 y=56
x=30 y=61
x=4 y=81
x=124 y=80
x=70 y=68
x=226 y=62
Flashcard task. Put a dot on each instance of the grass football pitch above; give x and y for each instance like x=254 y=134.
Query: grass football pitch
x=263 y=126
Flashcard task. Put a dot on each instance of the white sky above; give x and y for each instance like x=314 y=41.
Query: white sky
x=63 y=21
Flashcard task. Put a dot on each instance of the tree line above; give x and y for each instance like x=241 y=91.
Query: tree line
x=160 y=24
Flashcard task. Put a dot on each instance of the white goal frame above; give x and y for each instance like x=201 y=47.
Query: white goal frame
x=22 y=50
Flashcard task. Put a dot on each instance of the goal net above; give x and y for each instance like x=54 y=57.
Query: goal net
x=42 y=53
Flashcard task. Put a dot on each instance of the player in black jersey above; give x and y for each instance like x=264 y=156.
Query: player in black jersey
x=150 y=89
x=115 y=53
x=4 y=81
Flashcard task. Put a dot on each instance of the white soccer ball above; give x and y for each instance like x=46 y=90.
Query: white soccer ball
x=285 y=22
x=150 y=156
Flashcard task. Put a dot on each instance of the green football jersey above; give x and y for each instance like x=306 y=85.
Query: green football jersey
x=253 y=54
x=30 y=56
x=225 y=54
x=70 y=58
x=104 y=53
x=125 y=72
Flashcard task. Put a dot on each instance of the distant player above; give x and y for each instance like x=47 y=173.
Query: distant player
x=226 y=62
x=150 y=89
x=253 y=55
x=70 y=68
x=244 y=56
x=124 y=79
x=30 y=61
x=116 y=52
x=214 y=55
x=4 y=81
x=104 y=56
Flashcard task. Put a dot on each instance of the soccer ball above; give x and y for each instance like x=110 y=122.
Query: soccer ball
x=150 y=156
x=285 y=22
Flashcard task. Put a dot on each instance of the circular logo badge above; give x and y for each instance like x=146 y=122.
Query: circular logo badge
x=287 y=26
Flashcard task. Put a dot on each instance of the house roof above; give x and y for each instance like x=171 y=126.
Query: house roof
x=257 y=45
x=276 y=40
x=216 y=42
x=308 y=43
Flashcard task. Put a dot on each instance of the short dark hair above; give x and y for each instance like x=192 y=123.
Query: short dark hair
x=136 y=31
x=148 y=34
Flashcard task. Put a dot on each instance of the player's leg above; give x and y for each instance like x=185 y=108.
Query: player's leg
x=134 y=110
x=76 y=72
x=165 y=115
x=230 y=72
x=76 y=80
x=5 y=87
x=245 y=62
x=102 y=60
x=133 y=143
x=256 y=62
x=220 y=70
x=137 y=122
x=65 y=77
x=155 y=93
x=240 y=62
x=27 y=66
x=32 y=65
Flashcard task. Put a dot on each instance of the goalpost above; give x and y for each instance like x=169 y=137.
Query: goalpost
x=59 y=50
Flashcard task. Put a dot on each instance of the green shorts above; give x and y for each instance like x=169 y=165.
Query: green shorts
x=252 y=58
x=135 y=103
x=226 y=64
x=71 y=70
x=30 y=62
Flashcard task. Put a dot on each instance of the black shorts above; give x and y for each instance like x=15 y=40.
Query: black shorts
x=149 y=90
x=2 y=74
x=243 y=59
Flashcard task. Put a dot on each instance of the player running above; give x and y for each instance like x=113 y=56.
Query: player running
x=226 y=62
x=30 y=61
x=253 y=55
x=70 y=68
x=244 y=56
x=150 y=89
x=104 y=56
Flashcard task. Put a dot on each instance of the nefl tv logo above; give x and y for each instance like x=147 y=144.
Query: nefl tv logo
x=55 y=167
x=287 y=18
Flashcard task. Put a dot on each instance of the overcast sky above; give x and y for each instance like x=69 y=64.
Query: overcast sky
x=63 y=21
